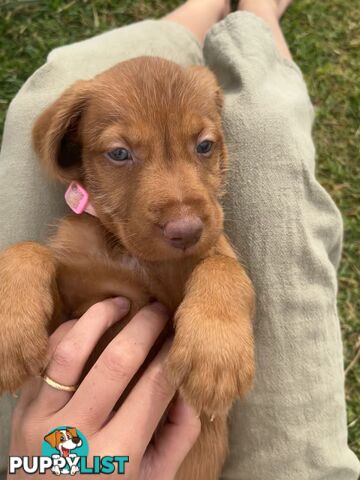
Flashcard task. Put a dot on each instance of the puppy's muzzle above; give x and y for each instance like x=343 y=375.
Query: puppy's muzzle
x=183 y=232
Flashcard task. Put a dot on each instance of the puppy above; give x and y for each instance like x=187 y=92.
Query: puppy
x=144 y=139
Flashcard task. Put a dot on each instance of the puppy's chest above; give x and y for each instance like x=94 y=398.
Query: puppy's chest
x=86 y=280
x=92 y=267
x=164 y=281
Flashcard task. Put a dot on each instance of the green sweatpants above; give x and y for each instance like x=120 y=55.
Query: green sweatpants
x=292 y=426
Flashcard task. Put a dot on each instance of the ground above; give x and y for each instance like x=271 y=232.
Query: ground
x=324 y=40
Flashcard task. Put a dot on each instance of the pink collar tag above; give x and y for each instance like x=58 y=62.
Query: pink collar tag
x=78 y=199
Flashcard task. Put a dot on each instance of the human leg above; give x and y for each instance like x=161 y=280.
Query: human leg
x=270 y=11
x=199 y=16
x=288 y=233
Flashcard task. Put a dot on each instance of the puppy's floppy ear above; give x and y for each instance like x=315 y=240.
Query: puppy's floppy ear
x=51 y=438
x=209 y=83
x=55 y=133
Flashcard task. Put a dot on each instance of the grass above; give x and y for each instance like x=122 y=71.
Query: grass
x=324 y=42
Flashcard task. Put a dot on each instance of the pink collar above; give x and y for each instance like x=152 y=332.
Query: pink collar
x=78 y=199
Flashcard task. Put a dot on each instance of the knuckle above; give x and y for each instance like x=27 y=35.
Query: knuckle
x=119 y=361
x=158 y=381
x=65 y=354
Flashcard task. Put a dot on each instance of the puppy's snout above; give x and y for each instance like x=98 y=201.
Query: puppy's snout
x=76 y=440
x=183 y=232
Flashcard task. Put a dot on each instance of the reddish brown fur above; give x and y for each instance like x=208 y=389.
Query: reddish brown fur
x=159 y=111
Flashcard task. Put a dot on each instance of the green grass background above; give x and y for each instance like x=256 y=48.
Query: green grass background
x=324 y=38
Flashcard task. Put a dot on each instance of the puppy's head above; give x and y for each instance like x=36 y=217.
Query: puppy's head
x=145 y=139
x=64 y=440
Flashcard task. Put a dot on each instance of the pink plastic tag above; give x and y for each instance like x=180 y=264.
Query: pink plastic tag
x=77 y=198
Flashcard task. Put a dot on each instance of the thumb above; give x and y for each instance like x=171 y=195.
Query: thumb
x=173 y=442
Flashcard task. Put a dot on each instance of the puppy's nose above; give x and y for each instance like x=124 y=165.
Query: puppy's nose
x=76 y=440
x=184 y=232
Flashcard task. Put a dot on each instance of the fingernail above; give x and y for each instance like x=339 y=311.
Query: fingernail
x=123 y=302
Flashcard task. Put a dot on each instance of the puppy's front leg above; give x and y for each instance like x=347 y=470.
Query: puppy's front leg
x=28 y=296
x=212 y=358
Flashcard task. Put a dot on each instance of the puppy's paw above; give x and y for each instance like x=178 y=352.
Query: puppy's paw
x=211 y=360
x=26 y=307
x=22 y=353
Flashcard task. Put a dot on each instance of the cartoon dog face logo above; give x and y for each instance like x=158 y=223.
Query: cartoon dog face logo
x=64 y=440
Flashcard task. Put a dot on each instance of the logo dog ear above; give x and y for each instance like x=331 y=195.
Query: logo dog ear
x=55 y=133
x=72 y=431
x=51 y=439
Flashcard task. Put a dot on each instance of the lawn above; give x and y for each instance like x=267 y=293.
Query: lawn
x=325 y=42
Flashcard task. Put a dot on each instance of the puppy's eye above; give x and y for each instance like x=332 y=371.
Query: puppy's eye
x=205 y=147
x=119 y=155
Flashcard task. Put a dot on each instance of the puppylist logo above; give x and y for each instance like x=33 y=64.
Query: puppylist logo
x=65 y=452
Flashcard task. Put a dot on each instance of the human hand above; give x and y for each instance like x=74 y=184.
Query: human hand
x=128 y=431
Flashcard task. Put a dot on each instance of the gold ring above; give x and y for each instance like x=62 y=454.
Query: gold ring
x=58 y=386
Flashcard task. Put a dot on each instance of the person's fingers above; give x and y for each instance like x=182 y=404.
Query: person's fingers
x=118 y=363
x=143 y=408
x=57 y=336
x=172 y=443
x=70 y=354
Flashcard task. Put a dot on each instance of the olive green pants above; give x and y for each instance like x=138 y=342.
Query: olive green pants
x=292 y=426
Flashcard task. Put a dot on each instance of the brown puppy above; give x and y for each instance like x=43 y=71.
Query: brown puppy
x=145 y=140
